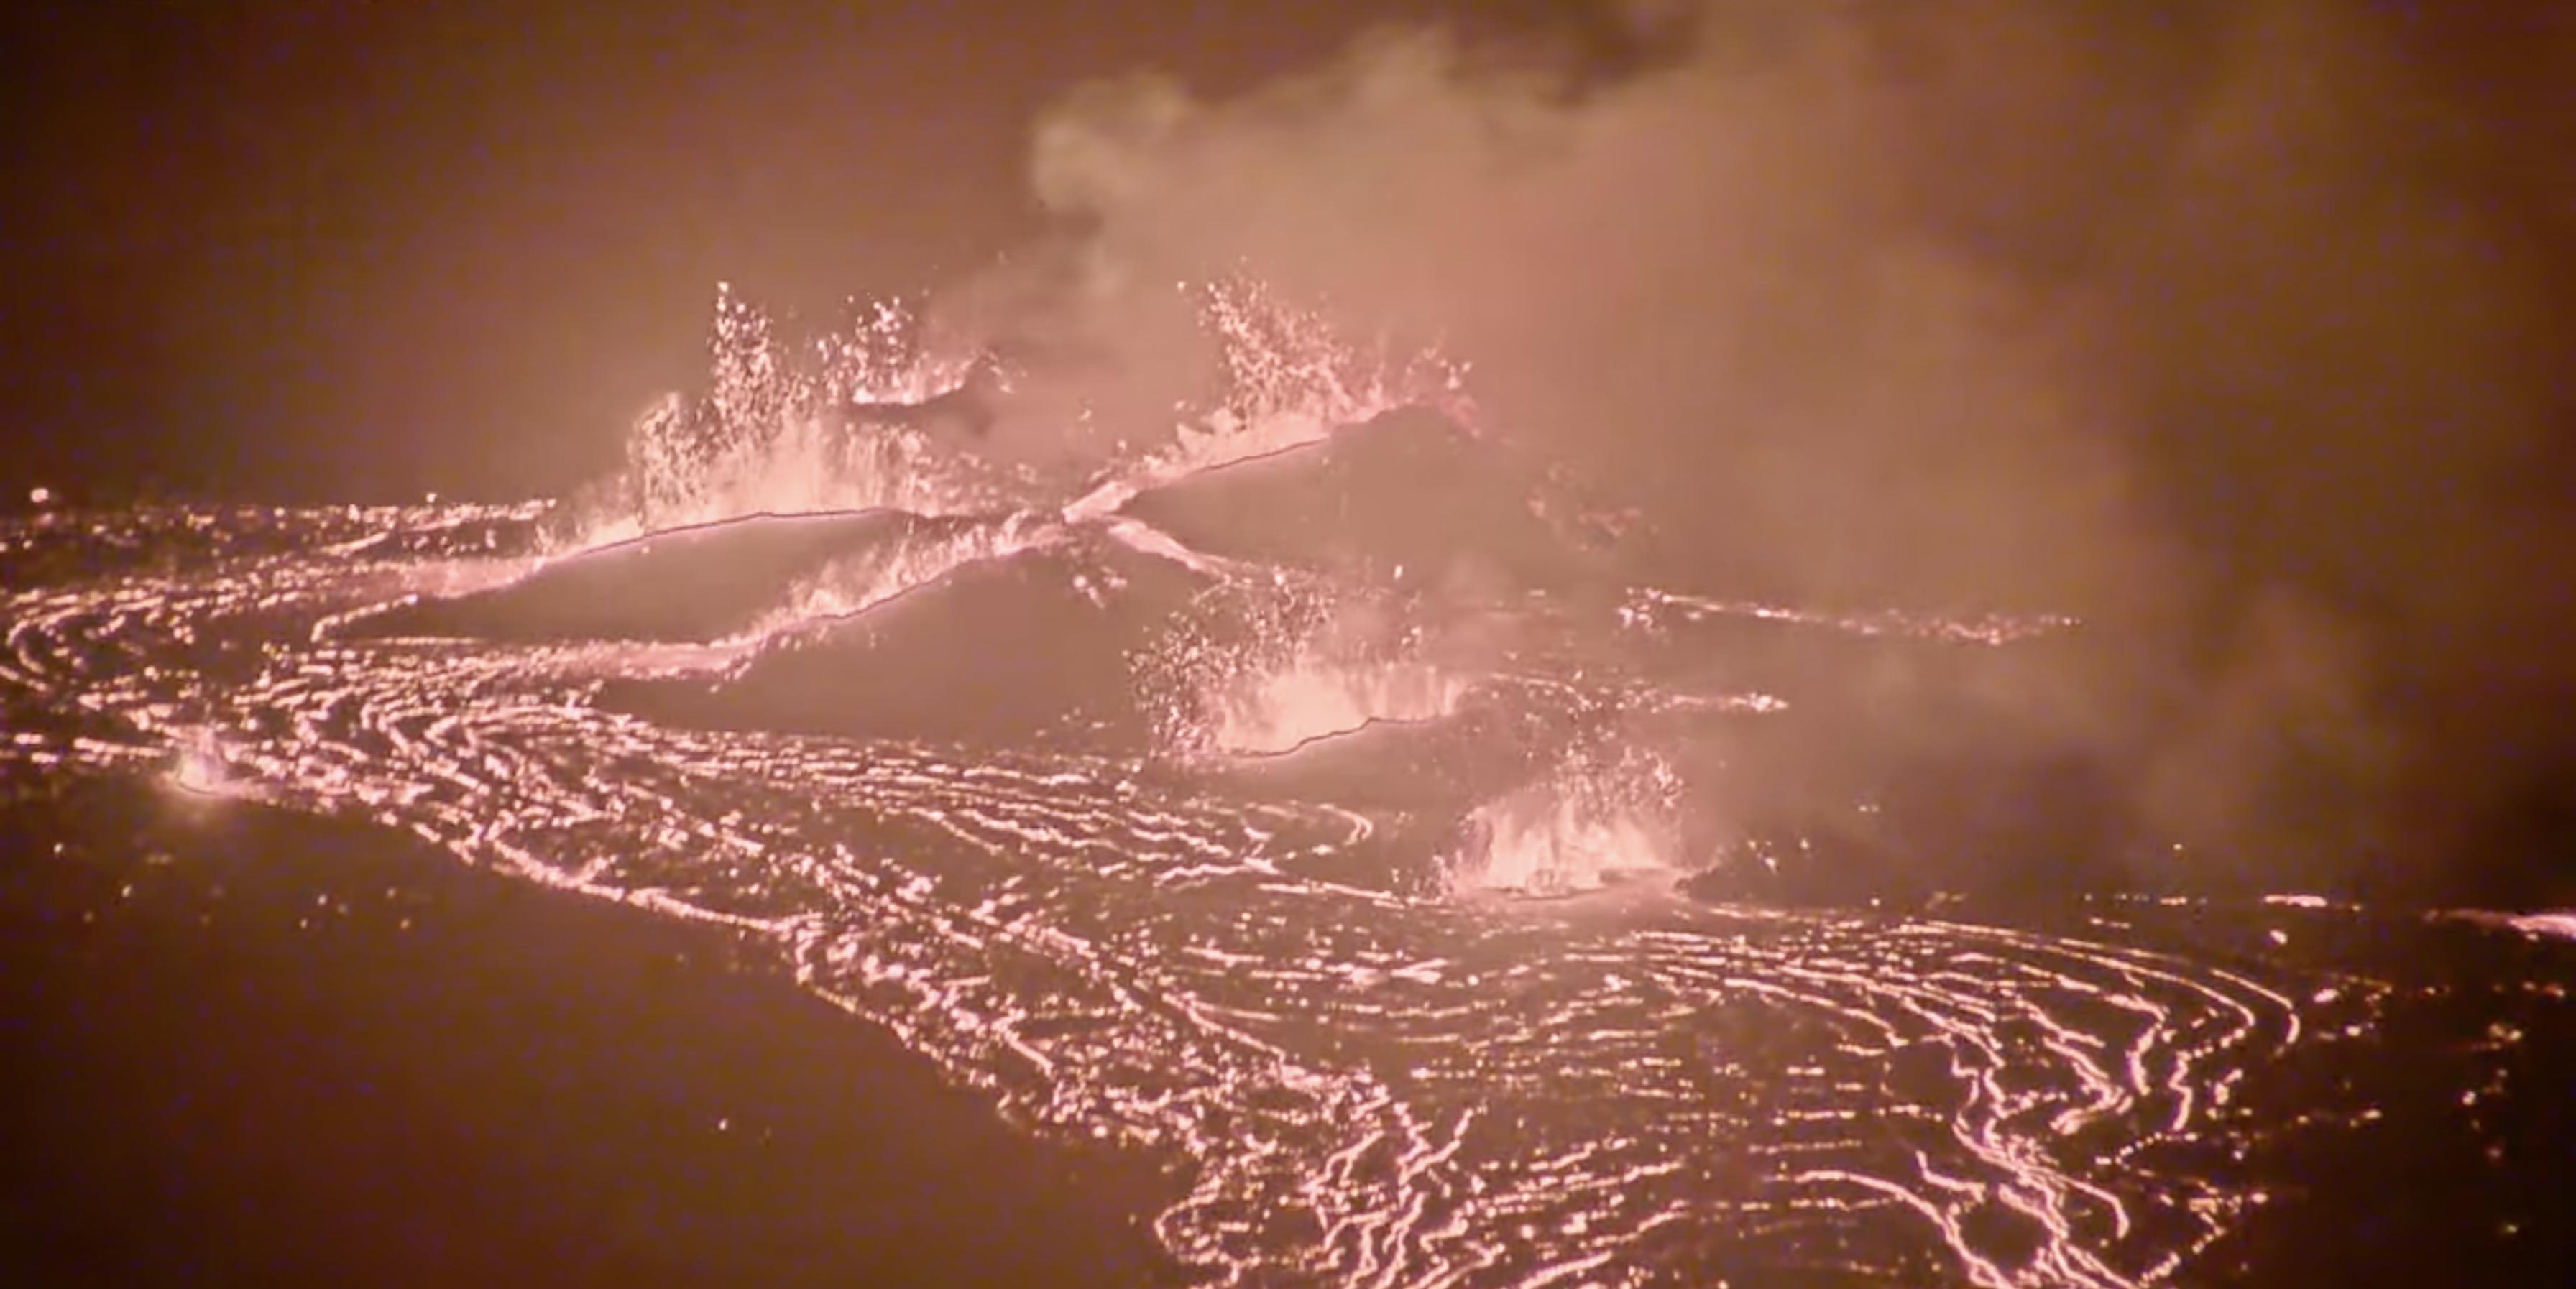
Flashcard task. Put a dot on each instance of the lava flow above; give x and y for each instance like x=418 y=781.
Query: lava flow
x=1358 y=899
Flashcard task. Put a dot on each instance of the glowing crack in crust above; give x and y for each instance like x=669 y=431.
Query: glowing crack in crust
x=1368 y=1078
x=1371 y=1087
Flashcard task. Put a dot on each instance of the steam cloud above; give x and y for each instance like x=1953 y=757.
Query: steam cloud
x=2199 y=320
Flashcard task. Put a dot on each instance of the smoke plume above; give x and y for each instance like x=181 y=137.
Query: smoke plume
x=2209 y=322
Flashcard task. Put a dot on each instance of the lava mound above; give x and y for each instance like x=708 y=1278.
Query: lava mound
x=687 y=585
x=1500 y=738
x=1408 y=495
x=1027 y=649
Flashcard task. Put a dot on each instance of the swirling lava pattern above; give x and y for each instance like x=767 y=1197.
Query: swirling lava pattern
x=1363 y=1082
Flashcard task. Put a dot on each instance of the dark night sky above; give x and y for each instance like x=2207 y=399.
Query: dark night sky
x=263 y=247
x=354 y=249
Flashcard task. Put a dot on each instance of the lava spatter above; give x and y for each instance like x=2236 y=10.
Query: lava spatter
x=1195 y=943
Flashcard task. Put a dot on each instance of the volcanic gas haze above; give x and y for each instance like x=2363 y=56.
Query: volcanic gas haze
x=2207 y=321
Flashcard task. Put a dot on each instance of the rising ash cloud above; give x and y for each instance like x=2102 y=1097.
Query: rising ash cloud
x=2212 y=323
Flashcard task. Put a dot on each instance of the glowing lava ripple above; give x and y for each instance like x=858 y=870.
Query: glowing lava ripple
x=1364 y=1085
